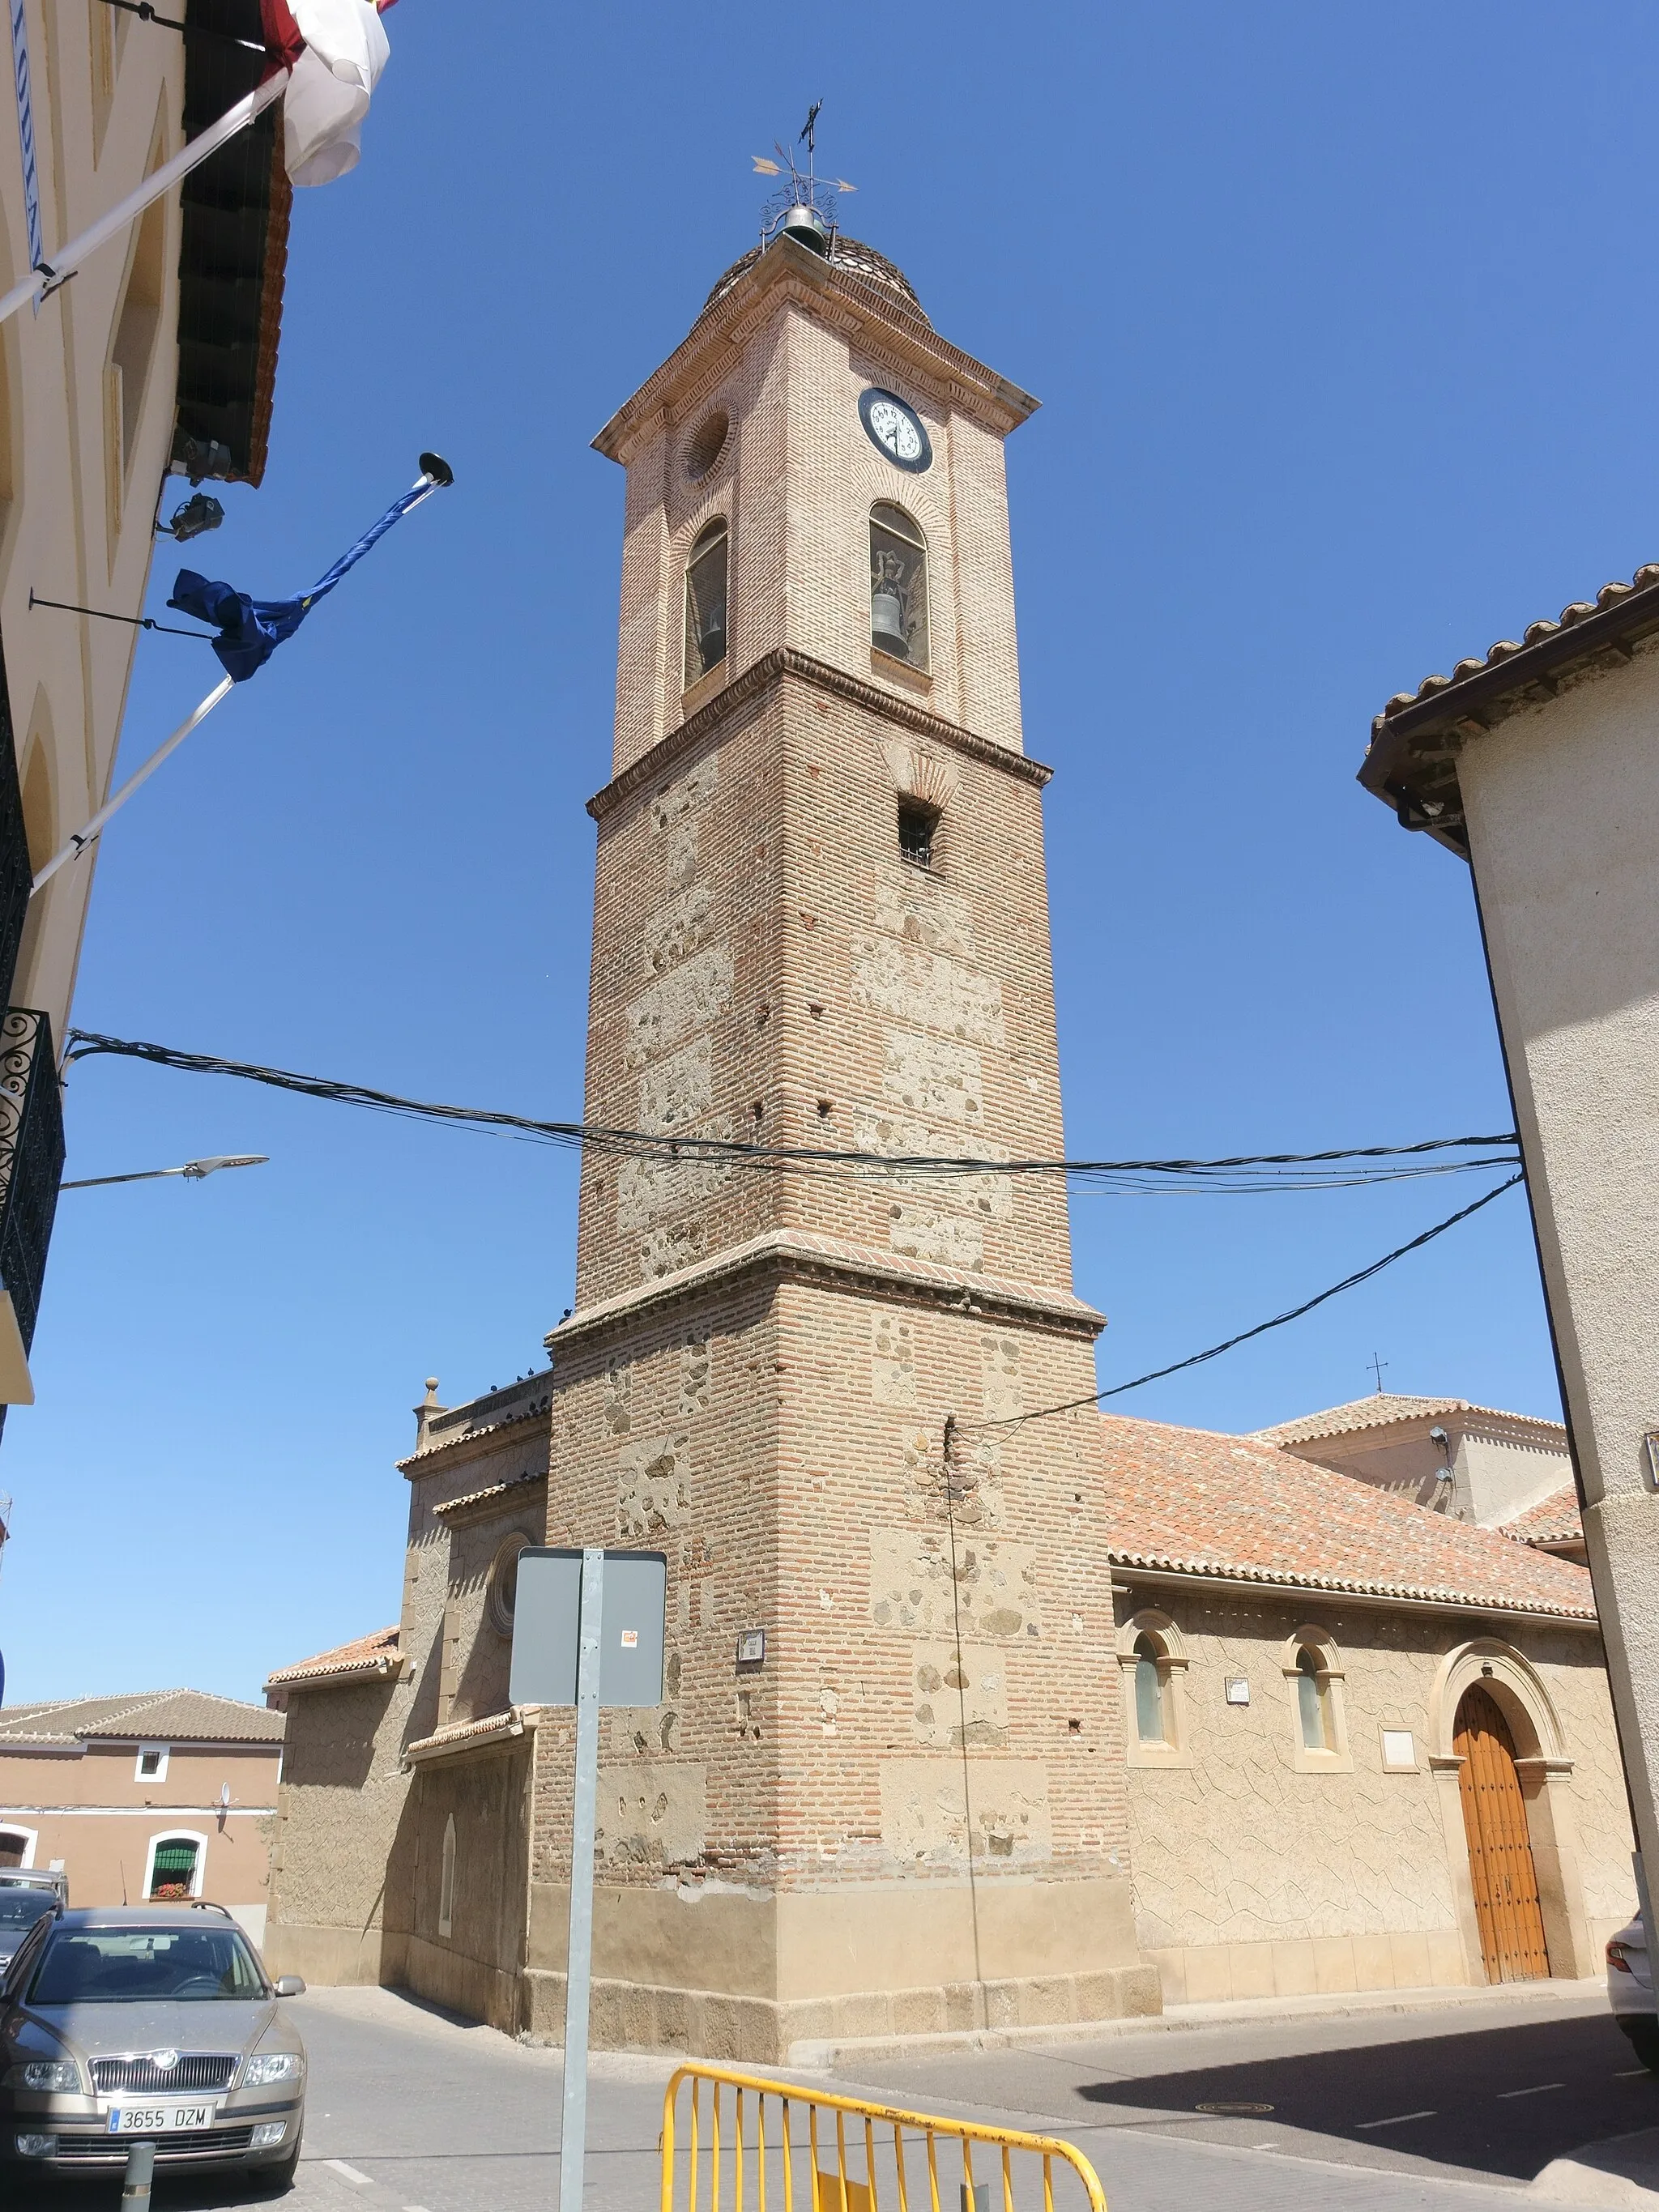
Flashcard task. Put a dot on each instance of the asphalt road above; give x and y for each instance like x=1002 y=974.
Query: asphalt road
x=1445 y=2110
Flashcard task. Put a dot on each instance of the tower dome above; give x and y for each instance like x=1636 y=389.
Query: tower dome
x=847 y=254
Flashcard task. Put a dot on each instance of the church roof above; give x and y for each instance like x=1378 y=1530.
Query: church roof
x=365 y=1654
x=1192 y=1502
x=845 y=254
x=1553 y=1520
x=1385 y=1407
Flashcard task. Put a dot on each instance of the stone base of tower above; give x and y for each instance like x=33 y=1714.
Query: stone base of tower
x=733 y=1976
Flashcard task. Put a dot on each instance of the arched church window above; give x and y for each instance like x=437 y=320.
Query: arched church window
x=705 y=602
x=1151 y=1692
x=898 y=584
x=1313 y=1696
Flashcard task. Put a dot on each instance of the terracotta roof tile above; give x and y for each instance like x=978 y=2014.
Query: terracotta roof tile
x=145 y=1715
x=1384 y=1406
x=1506 y=648
x=365 y=1654
x=1553 y=1520
x=1190 y=1501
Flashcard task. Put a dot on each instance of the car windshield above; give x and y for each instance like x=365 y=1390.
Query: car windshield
x=22 y=1908
x=139 y=1965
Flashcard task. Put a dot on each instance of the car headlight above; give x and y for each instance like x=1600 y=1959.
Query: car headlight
x=273 y=2066
x=62 y=2075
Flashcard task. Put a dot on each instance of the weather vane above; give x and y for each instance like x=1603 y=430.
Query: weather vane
x=801 y=189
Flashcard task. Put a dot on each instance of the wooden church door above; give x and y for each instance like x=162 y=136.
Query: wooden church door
x=1500 y=1850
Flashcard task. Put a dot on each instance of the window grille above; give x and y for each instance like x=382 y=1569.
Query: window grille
x=705 y=602
x=898 y=585
x=916 y=825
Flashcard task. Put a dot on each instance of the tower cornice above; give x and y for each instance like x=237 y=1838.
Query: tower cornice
x=782 y=662
x=788 y=274
x=797 y=1254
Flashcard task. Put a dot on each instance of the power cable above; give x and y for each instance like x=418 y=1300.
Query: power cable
x=691 y=1150
x=1198 y=1358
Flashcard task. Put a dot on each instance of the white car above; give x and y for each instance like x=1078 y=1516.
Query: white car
x=1630 y=1991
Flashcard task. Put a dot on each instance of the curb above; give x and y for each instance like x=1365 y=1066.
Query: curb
x=829 y=2055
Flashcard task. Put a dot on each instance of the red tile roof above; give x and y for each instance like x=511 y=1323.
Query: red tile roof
x=1190 y=1501
x=1384 y=1407
x=1553 y=1520
x=366 y=1654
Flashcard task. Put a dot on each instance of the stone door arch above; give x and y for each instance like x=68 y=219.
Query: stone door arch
x=1501 y=1868
x=1539 y=1758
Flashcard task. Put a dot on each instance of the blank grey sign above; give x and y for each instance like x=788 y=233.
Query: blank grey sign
x=546 y=1628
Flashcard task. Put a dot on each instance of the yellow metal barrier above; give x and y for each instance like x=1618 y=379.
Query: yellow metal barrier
x=727 y=2158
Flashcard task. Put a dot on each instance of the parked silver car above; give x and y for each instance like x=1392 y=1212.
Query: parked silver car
x=146 y=2023
x=1630 y=1991
x=21 y=1904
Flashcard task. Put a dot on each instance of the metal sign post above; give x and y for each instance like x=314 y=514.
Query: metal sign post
x=572 y=1647
x=578 y=1960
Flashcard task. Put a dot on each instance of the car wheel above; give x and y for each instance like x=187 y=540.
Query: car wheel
x=275 y=2180
x=1644 y=2042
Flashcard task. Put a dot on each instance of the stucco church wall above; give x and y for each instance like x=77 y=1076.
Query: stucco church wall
x=342 y=1865
x=1252 y=1878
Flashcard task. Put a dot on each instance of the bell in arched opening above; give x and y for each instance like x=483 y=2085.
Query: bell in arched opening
x=898 y=584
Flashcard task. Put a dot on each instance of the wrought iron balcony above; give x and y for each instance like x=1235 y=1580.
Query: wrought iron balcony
x=30 y=1160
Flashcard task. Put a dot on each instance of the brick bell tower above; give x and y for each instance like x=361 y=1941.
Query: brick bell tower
x=886 y=1791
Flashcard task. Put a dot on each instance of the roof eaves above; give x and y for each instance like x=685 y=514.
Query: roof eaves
x=1412 y=760
x=1157 y=1563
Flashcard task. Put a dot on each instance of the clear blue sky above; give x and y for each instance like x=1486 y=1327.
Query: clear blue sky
x=1338 y=316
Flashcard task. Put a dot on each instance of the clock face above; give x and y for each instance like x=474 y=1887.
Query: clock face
x=896 y=429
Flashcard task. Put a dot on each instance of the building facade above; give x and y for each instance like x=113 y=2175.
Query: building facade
x=166 y=1796
x=160 y=355
x=1536 y=764
x=1370 y=1746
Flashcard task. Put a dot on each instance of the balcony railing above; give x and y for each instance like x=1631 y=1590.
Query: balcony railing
x=31 y=1158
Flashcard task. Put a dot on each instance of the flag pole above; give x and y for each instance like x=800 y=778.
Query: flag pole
x=51 y=273
x=82 y=838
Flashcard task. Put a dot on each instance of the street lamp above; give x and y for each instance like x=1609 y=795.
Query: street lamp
x=193 y=1170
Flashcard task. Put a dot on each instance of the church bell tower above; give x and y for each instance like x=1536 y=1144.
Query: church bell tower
x=885 y=1792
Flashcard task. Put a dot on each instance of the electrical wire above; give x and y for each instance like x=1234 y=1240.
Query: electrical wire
x=1337 y=1169
x=1198 y=1358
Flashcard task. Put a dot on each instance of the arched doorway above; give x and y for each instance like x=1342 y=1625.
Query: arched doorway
x=1506 y=1901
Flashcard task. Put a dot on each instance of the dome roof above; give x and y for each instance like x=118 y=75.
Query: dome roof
x=847 y=254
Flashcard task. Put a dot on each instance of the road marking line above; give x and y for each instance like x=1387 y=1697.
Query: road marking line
x=1536 y=2090
x=1394 y=2119
x=1630 y=2073
x=349 y=2172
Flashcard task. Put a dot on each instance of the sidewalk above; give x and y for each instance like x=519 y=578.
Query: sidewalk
x=1552 y=1997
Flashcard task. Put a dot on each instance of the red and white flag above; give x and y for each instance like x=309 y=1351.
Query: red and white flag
x=334 y=51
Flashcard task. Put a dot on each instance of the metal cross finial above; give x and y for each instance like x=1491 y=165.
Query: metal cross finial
x=1377 y=1366
x=802 y=188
